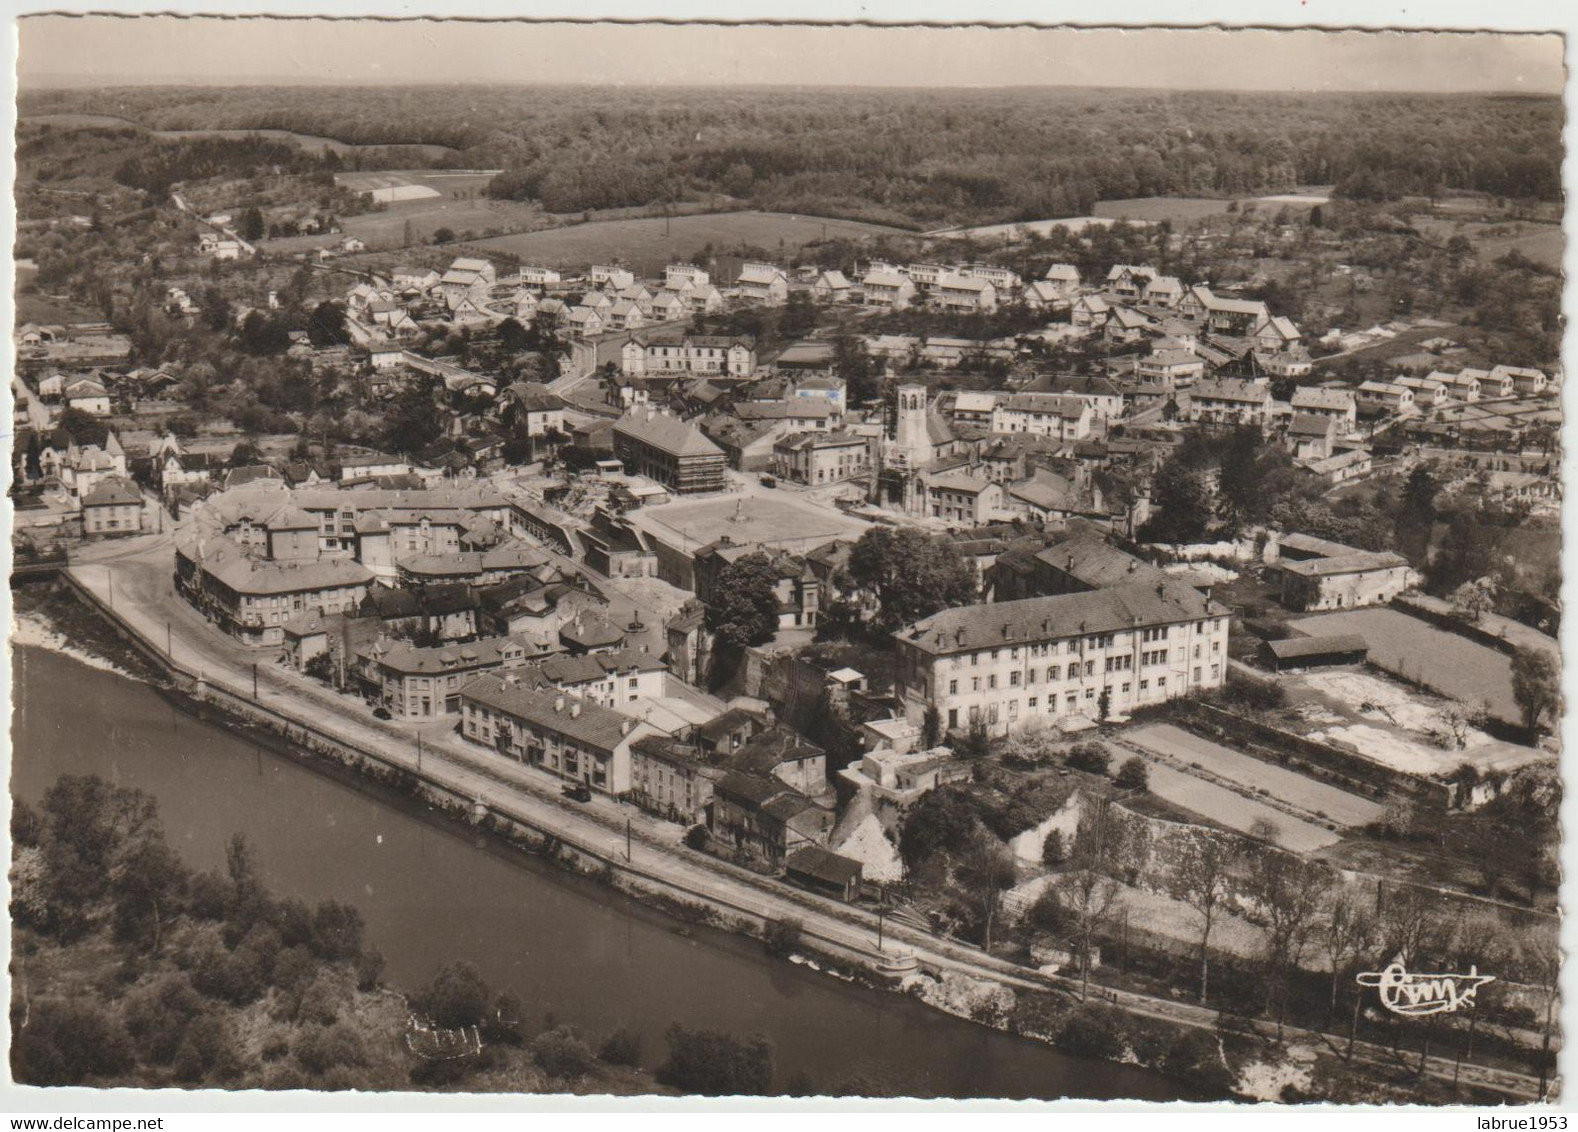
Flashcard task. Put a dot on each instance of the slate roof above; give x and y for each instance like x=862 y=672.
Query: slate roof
x=1122 y=607
x=666 y=433
x=601 y=729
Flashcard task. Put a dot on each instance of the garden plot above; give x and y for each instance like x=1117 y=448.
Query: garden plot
x=1397 y=727
x=1235 y=811
x=1307 y=793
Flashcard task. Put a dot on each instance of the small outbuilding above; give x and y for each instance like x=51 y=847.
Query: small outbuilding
x=1311 y=652
x=824 y=871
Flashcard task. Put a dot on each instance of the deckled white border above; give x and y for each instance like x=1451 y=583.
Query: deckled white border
x=1503 y=15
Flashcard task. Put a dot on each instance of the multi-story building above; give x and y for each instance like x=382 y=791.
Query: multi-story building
x=965 y=293
x=763 y=282
x=1327 y=402
x=671 y=778
x=614 y=678
x=572 y=738
x=420 y=683
x=113 y=507
x=1092 y=654
x=677 y=276
x=1385 y=397
x=647 y=355
x=671 y=451
x=815 y=458
x=1058 y=415
x=251 y=598
x=887 y=288
x=1230 y=401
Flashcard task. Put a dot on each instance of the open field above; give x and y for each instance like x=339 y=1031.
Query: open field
x=386 y=230
x=308 y=142
x=1416 y=650
x=1542 y=243
x=776 y=520
x=1176 y=209
x=455 y=183
x=647 y=245
x=1306 y=793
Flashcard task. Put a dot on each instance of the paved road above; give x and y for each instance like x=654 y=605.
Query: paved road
x=135 y=577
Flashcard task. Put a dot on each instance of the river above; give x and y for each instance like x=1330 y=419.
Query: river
x=432 y=892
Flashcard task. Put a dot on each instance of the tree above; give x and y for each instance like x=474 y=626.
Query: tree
x=443 y=236
x=261 y=335
x=1285 y=892
x=412 y=421
x=931 y=727
x=1535 y=686
x=743 y=605
x=622 y=1047
x=856 y=367
x=251 y=226
x=1202 y=878
x=1091 y=758
x=1133 y=774
x=68 y=1043
x=988 y=867
x=513 y=336
x=1345 y=933
x=942 y=821
x=1183 y=505
x=715 y=1064
x=1472 y=600
x=912 y=574
x=326 y=326
x=456 y=997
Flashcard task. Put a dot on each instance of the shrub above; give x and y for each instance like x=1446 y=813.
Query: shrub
x=1093 y=1031
x=714 y=1064
x=158 y=1017
x=456 y=997
x=782 y=937
x=1091 y=757
x=562 y=1055
x=67 y=1043
x=1196 y=1056
x=1133 y=774
x=1036 y=1013
x=1052 y=851
x=622 y=1047
x=320 y=1049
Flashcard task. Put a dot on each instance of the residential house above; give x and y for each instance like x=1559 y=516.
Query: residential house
x=1128 y=282
x=815 y=458
x=1525 y=382
x=251 y=598
x=1318 y=574
x=1163 y=291
x=1063 y=416
x=1065 y=277
x=574 y=739
x=758 y=812
x=1428 y=393
x=1326 y=401
x=1377 y=397
x=421 y=683
x=964 y=293
x=1090 y=311
x=1462 y=387
x=960 y=497
x=611 y=277
x=1311 y=436
x=113 y=507
x=538 y=277
x=1229 y=401
x=887 y=289
x=763 y=283
x=672 y=779
x=1171 y=369
x=647 y=355
x=87 y=395
x=583 y=322
x=832 y=287
x=1275 y=334
x=677 y=276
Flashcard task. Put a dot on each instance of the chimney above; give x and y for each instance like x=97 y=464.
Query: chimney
x=1006 y=631
x=575 y=710
x=625 y=725
x=958 y=636
x=1161 y=589
x=558 y=703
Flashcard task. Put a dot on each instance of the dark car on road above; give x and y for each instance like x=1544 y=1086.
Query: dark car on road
x=381 y=712
x=580 y=792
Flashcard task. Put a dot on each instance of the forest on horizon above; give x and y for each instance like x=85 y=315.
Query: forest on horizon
x=911 y=158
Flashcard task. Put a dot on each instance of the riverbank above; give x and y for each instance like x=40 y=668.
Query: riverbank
x=659 y=879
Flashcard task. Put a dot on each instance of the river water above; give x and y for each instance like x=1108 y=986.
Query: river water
x=431 y=892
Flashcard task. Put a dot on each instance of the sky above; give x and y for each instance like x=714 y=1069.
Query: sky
x=109 y=50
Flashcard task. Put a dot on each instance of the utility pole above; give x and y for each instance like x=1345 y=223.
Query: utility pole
x=169 y=642
x=419 y=754
x=254 y=680
x=627 y=840
x=882 y=912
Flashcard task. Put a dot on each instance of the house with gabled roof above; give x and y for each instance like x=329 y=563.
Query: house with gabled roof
x=763 y=283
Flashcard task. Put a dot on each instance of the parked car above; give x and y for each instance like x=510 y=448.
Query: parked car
x=381 y=712
x=580 y=792
x=769 y=480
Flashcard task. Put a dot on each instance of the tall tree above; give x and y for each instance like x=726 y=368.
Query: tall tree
x=911 y=574
x=1202 y=878
x=1535 y=686
x=1285 y=892
x=743 y=606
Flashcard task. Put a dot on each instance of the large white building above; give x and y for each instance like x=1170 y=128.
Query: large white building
x=1049 y=658
x=691 y=354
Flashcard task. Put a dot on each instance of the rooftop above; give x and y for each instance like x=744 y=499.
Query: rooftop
x=601 y=729
x=1128 y=606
